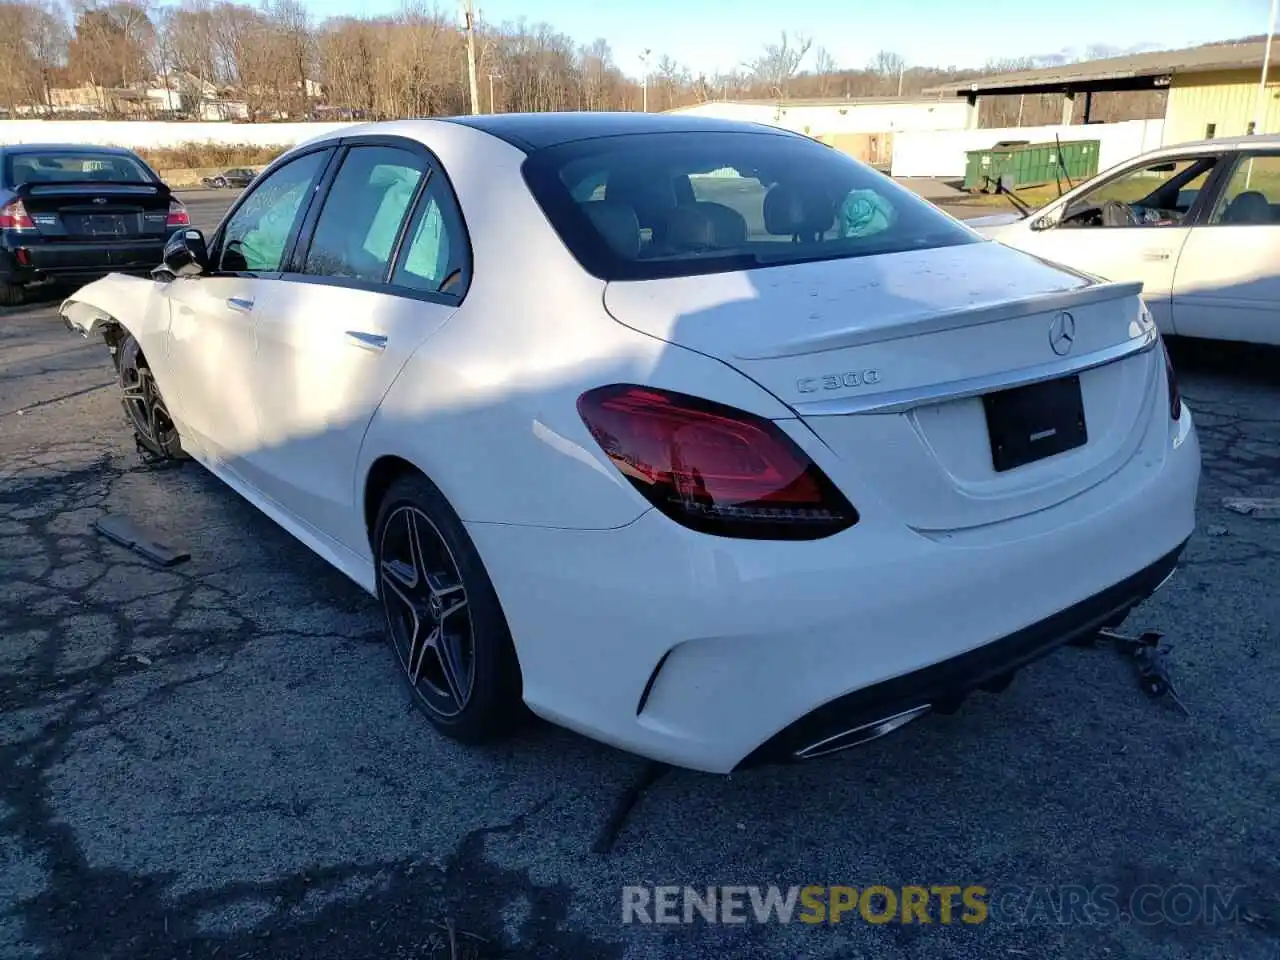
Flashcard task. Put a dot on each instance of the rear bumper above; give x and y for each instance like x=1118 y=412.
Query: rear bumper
x=710 y=653
x=29 y=260
x=943 y=685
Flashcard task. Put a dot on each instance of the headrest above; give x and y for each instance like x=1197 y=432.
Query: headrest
x=648 y=195
x=730 y=225
x=618 y=225
x=790 y=209
x=704 y=226
x=1249 y=207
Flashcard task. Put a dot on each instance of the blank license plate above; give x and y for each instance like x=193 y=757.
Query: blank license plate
x=105 y=225
x=1029 y=423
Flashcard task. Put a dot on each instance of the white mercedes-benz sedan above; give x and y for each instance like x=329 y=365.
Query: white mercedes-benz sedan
x=698 y=437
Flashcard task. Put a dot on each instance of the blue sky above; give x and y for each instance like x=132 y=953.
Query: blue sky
x=712 y=35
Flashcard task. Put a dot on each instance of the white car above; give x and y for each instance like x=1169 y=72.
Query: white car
x=698 y=437
x=1197 y=224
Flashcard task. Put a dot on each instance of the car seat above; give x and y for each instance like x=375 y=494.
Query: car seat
x=1248 y=207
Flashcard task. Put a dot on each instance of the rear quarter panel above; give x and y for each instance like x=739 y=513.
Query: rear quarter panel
x=487 y=406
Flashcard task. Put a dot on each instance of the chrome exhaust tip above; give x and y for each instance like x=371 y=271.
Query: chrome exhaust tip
x=864 y=733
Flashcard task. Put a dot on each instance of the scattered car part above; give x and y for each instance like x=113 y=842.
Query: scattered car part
x=1150 y=661
x=129 y=535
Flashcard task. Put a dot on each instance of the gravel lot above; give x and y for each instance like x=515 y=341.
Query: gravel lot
x=218 y=759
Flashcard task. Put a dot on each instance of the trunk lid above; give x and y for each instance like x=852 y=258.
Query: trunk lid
x=892 y=361
x=91 y=210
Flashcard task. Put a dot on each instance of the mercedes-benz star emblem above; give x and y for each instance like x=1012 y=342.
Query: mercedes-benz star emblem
x=1062 y=333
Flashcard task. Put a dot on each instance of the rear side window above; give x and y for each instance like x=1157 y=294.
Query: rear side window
x=355 y=236
x=74 y=167
x=645 y=206
x=436 y=255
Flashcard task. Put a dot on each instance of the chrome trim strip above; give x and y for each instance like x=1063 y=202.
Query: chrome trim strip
x=896 y=401
x=862 y=734
x=966 y=316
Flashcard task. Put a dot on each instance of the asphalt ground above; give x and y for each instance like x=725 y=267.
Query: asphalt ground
x=219 y=759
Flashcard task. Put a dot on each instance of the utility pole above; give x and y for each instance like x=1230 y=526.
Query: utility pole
x=492 y=77
x=644 y=79
x=902 y=73
x=469 y=15
x=1260 y=108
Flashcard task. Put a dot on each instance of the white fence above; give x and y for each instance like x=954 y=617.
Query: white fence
x=158 y=133
x=941 y=153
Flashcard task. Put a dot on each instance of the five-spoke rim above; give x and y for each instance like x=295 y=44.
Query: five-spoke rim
x=427 y=614
x=144 y=403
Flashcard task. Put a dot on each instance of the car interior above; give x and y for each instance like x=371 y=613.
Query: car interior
x=1167 y=204
x=37 y=168
x=646 y=214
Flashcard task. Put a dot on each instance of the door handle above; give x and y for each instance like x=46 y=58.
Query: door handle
x=367 y=341
x=1155 y=254
x=240 y=304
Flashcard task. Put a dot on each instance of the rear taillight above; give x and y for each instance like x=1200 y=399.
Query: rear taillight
x=1175 y=395
x=714 y=468
x=178 y=216
x=13 y=216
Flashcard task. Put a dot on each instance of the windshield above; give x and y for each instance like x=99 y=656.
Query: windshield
x=643 y=206
x=54 y=167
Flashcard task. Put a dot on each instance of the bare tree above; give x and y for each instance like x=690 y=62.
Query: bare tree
x=779 y=62
x=279 y=60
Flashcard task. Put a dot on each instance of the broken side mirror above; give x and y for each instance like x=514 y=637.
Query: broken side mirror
x=185 y=255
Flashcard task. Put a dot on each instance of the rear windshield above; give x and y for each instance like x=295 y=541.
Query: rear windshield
x=643 y=206
x=53 y=167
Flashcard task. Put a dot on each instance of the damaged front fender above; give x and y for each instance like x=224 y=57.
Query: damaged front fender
x=116 y=298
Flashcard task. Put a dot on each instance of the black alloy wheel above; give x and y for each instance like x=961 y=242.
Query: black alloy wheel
x=443 y=617
x=143 y=404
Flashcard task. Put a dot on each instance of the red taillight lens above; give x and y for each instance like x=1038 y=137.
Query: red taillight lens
x=714 y=468
x=178 y=216
x=13 y=216
x=1175 y=395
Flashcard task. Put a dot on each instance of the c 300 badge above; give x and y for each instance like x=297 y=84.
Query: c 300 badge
x=838 y=381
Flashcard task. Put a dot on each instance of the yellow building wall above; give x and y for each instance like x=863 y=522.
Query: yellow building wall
x=1227 y=100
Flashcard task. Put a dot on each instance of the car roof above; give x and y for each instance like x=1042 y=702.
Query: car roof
x=21 y=148
x=1245 y=142
x=534 y=131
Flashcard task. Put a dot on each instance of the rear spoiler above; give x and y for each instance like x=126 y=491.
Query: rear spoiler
x=53 y=188
x=969 y=316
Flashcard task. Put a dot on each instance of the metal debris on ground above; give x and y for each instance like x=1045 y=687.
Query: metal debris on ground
x=1150 y=660
x=1259 y=508
x=129 y=535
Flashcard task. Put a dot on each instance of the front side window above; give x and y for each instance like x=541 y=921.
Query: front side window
x=73 y=167
x=1156 y=195
x=356 y=232
x=257 y=234
x=1252 y=196
x=638 y=207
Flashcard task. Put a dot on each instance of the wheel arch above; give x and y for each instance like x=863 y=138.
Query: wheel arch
x=382 y=473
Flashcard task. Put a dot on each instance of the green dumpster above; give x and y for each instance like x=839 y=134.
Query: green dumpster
x=1030 y=164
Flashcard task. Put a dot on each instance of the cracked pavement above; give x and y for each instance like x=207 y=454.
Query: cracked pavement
x=219 y=759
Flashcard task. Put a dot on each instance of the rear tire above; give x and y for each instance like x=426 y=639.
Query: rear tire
x=443 y=617
x=144 y=407
x=12 y=294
